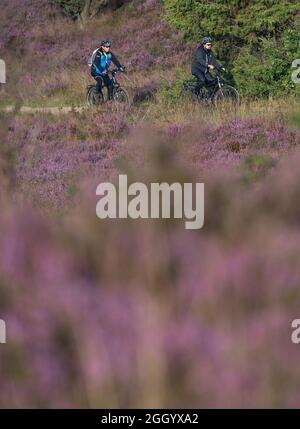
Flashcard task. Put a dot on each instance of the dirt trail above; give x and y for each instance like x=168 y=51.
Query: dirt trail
x=52 y=110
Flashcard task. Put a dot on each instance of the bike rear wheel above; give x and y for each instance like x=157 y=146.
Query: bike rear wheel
x=188 y=91
x=227 y=97
x=121 y=96
x=94 y=98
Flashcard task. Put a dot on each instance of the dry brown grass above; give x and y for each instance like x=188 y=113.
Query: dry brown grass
x=187 y=111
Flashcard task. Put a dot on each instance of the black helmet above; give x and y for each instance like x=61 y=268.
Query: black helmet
x=206 y=40
x=106 y=43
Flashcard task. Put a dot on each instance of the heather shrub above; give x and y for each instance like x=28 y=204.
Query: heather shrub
x=51 y=155
x=142 y=313
x=145 y=5
x=145 y=93
x=195 y=319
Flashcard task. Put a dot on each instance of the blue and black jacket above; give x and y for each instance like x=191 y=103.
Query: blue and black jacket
x=102 y=62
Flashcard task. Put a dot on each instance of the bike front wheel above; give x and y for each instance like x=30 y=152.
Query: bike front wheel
x=121 y=96
x=227 y=97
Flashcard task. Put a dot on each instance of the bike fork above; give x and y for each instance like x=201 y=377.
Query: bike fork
x=220 y=87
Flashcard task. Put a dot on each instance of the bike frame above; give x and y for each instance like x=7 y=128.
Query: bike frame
x=114 y=79
x=219 y=85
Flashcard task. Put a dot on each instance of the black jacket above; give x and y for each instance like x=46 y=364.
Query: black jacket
x=201 y=60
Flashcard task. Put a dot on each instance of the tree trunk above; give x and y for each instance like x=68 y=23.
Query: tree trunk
x=85 y=14
x=92 y=7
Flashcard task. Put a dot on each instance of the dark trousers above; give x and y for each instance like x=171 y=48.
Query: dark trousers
x=104 y=81
x=205 y=80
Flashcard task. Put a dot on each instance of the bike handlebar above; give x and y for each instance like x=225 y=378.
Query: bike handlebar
x=221 y=72
x=114 y=71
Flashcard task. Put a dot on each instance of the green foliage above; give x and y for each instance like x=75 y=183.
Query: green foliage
x=239 y=20
x=295 y=120
x=267 y=72
x=259 y=38
x=257 y=166
x=71 y=8
x=265 y=18
x=171 y=93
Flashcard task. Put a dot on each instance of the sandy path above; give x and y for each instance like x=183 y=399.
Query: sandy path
x=52 y=110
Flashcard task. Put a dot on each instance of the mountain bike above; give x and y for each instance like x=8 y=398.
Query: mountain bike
x=119 y=94
x=221 y=94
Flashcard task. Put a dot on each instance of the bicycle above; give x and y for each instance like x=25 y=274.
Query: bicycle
x=221 y=94
x=119 y=94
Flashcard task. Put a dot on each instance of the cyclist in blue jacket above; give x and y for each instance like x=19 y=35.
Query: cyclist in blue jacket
x=101 y=61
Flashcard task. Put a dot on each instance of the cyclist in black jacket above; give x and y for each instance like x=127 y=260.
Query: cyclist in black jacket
x=203 y=63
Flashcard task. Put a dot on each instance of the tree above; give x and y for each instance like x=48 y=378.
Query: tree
x=92 y=7
x=233 y=23
x=246 y=32
x=84 y=10
x=86 y=13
